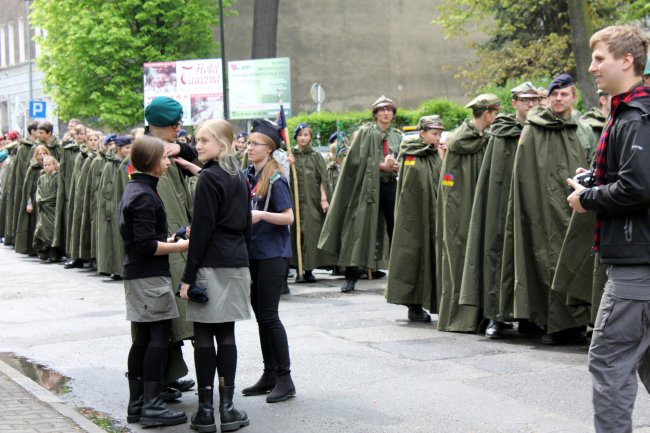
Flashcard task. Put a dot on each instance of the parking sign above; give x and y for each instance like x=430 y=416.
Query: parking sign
x=37 y=109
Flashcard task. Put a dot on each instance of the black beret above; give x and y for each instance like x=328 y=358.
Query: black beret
x=122 y=140
x=268 y=128
x=560 y=82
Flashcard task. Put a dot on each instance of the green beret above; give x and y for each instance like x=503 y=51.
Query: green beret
x=430 y=122
x=163 y=111
x=484 y=101
x=647 y=67
x=524 y=90
x=383 y=102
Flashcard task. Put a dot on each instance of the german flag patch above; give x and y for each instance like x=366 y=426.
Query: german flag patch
x=448 y=179
x=409 y=161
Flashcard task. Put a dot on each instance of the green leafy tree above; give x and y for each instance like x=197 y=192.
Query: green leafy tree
x=525 y=38
x=93 y=50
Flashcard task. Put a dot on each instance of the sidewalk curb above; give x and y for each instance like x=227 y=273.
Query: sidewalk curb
x=50 y=399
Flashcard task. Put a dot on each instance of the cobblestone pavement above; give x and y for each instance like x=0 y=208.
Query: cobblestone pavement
x=25 y=407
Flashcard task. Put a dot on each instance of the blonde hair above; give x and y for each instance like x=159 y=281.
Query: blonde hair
x=221 y=131
x=53 y=159
x=40 y=147
x=623 y=40
x=271 y=167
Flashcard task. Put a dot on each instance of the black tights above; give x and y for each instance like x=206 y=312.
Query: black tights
x=148 y=354
x=207 y=360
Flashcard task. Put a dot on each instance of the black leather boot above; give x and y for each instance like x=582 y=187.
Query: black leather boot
x=231 y=418
x=136 y=397
x=265 y=384
x=154 y=412
x=350 y=280
x=283 y=390
x=203 y=420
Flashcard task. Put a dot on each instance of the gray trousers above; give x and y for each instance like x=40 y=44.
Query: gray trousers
x=619 y=348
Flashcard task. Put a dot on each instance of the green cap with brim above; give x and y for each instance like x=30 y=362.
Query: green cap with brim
x=484 y=101
x=524 y=90
x=430 y=122
x=163 y=111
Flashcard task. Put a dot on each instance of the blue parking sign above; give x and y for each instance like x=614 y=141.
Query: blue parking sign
x=37 y=109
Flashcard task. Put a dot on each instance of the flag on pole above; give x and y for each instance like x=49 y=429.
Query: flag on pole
x=282 y=124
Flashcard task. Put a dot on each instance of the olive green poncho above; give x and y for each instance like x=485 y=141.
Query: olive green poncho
x=596 y=120
x=481 y=280
x=354 y=226
x=332 y=178
x=66 y=167
x=75 y=201
x=20 y=167
x=89 y=216
x=412 y=266
x=46 y=196
x=26 y=224
x=459 y=174
x=79 y=250
x=110 y=250
x=7 y=200
x=549 y=152
x=310 y=170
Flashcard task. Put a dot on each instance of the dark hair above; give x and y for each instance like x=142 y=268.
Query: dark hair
x=146 y=153
x=32 y=127
x=46 y=126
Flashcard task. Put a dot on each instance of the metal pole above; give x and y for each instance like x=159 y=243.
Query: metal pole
x=29 y=53
x=318 y=97
x=224 y=69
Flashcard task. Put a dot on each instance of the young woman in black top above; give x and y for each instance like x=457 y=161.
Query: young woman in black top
x=269 y=252
x=218 y=262
x=149 y=298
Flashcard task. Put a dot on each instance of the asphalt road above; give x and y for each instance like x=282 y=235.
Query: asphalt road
x=358 y=365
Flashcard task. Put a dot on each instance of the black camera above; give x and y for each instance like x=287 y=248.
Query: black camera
x=586 y=179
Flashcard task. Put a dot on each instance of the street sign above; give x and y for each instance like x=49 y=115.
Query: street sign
x=37 y=109
x=317 y=95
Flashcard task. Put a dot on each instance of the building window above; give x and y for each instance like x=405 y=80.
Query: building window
x=21 y=40
x=12 y=48
x=3 y=48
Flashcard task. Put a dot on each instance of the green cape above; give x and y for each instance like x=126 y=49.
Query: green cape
x=75 y=200
x=481 y=280
x=596 y=120
x=412 y=266
x=310 y=170
x=79 y=250
x=26 y=224
x=549 y=152
x=460 y=170
x=46 y=194
x=66 y=166
x=89 y=216
x=6 y=200
x=354 y=227
x=110 y=250
x=21 y=165
x=332 y=178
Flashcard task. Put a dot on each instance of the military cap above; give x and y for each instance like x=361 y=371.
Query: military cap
x=122 y=140
x=109 y=138
x=182 y=133
x=335 y=136
x=268 y=128
x=646 y=71
x=562 y=81
x=12 y=135
x=543 y=93
x=163 y=111
x=299 y=128
x=430 y=122
x=242 y=134
x=484 y=101
x=383 y=102
x=524 y=90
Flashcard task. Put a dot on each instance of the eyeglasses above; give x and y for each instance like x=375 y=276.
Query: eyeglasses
x=254 y=143
x=529 y=101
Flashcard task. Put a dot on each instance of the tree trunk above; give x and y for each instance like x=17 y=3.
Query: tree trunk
x=580 y=34
x=265 y=29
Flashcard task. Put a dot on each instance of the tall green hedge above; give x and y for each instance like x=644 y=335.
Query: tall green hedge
x=323 y=124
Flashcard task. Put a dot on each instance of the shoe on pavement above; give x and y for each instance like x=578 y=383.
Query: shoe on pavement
x=183 y=385
x=348 y=286
x=494 y=330
x=417 y=314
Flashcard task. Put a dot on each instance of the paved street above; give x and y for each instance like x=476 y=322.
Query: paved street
x=358 y=365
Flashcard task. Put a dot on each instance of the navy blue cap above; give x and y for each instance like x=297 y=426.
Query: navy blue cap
x=122 y=140
x=299 y=128
x=242 y=134
x=182 y=133
x=560 y=82
x=109 y=138
x=334 y=136
x=268 y=128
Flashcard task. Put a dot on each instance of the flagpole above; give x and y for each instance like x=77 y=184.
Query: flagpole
x=296 y=198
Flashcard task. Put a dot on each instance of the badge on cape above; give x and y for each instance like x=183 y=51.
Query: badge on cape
x=409 y=161
x=129 y=170
x=448 y=179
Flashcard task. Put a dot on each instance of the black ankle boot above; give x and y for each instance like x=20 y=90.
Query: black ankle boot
x=135 y=399
x=265 y=384
x=154 y=412
x=283 y=390
x=203 y=420
x=231 y=418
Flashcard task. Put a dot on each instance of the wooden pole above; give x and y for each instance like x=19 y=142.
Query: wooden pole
x=296 y=201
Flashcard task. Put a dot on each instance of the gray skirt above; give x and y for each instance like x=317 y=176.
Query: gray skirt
x=150 y=299
x=229 y=292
